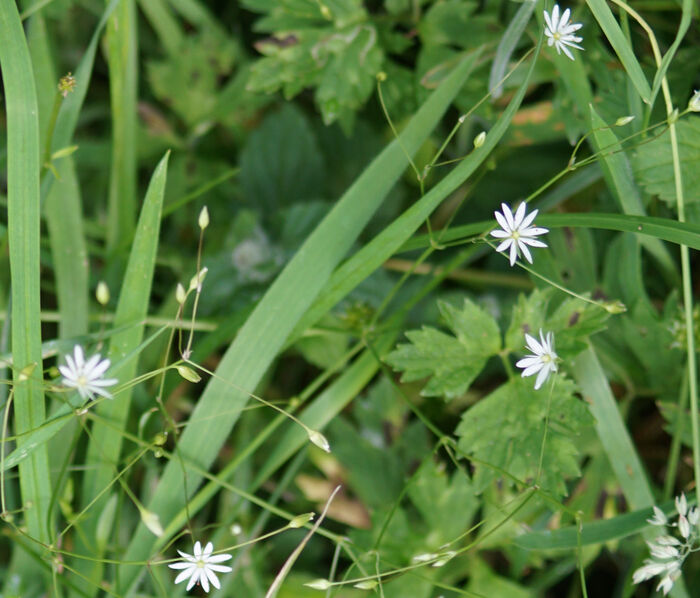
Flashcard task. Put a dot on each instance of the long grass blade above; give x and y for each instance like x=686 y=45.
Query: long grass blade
x=123 y=69
x=106 y=440
x=265 y=331
x=680 y=233
x=601 y=11
x=23 y=199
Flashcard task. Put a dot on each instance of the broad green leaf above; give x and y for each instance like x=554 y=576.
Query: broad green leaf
x=446 y=502
x=188 y=81
x=528 y=318
x=281 y=162
x=334 y=48
x=653 y=163
x=452 y=361
x=506 y=430
x=457 y=22
x=572 y=323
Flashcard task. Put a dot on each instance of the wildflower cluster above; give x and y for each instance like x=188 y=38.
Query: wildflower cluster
x=669 y=552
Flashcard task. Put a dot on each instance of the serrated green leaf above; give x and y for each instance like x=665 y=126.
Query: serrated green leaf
x=188 y=80
x=572 y=323
x=653 y=163
x=506 y=430
x=446 y=503
x=349 y=76
x=451 y=362
x=528 y=317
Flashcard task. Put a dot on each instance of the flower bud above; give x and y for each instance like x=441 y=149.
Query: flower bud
x=204 y=218
x=152 y=522
x=694 y=103
x=301 y=520
x=102 y=293
x=188 y=373
x=615 y=307
x=25 y=372
x=370 y=584
x=479 y=139
x=319 y=584
x=180 y=294
x=198 y=279
x=623 y=120
x=319 y=440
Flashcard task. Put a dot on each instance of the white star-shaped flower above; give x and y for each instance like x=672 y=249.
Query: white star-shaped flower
x=560 y=33
x=517 y=233
x=86 y=376
x=543 y=360
x=200 y=566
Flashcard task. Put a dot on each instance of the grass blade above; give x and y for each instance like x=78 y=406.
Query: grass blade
x=680 y=233
x=506 y=47
x=618 y=174
x=105 y=446
x=595 y=532
x=23 y=198
x=370 y=257
x=617 y=40
x=123 y=69
x=612 y=431
x=265 y=331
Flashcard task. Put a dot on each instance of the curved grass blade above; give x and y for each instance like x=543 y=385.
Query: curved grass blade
x=595 y=532
x=23 y=198
x=106 y=440
x=266 y=330
x=680 y=233
x=372 y=255
x=617 y=40
x=506 y=47
x=671 y=52
x=618 y=174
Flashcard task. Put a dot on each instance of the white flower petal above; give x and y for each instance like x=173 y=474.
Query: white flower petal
x=183 y=576
x=541 y=377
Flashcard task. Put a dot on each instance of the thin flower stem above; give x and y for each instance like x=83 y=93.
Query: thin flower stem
x=546 y=429
x=675 y=450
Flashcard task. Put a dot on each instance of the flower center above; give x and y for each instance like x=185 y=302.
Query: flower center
x=556 y=35
x=515 y=235
x=201 y=564
x=546 y=358
x=82 y=380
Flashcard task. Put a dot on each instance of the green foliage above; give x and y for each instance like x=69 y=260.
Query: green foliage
x=188 y=81
x=505 y=431
x=332 y=47
x=281 y=163
x=653 y=163
x=322 y=248
x=452 y=361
